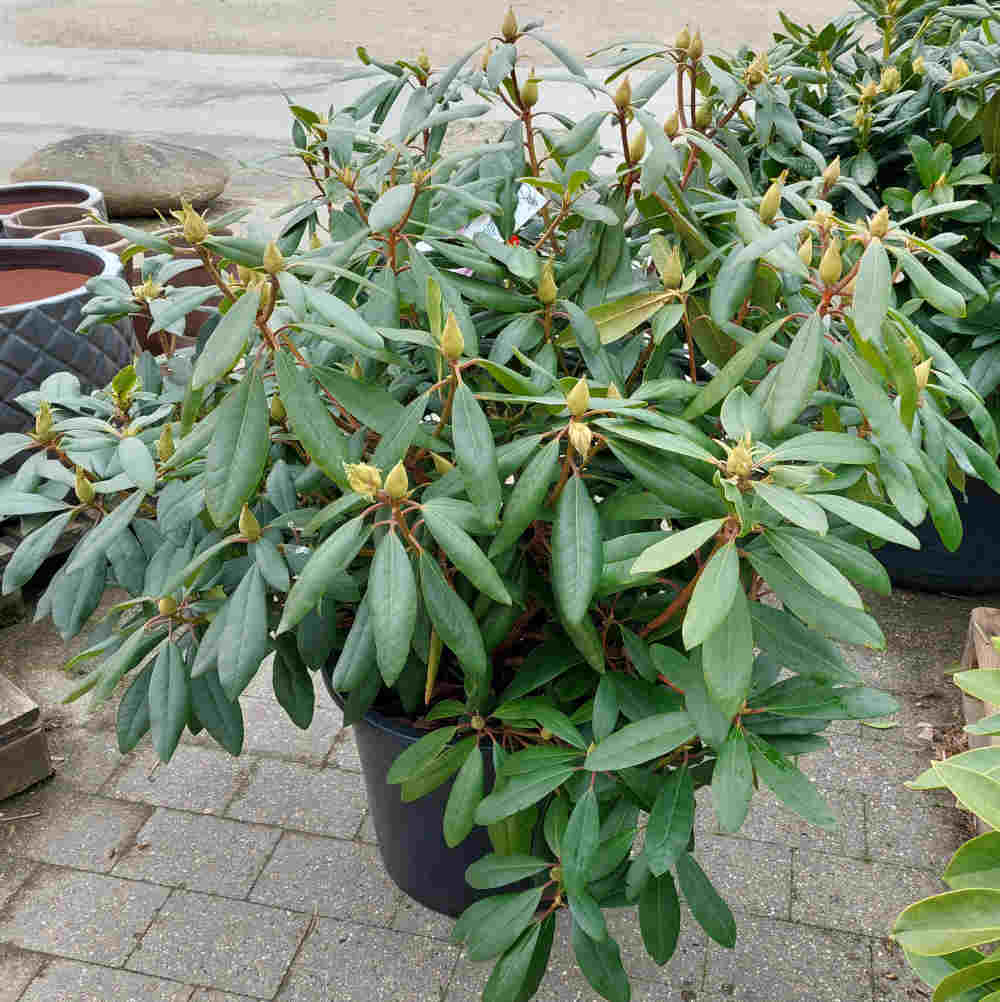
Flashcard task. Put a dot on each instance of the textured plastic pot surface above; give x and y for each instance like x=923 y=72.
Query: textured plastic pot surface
x=38 y=335
x=410 y=840
x=974 y=568
x=27 y=194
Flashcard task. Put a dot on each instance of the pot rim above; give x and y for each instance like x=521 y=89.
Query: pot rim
x=52 y=233
x=94 y=195
x=112 y=268
x=375 y=719
x=14 y=218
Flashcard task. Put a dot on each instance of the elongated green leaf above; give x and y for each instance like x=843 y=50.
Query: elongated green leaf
x=220 y=716
x=709 y=910
x=32 y=551
x=22 y=503
x=474 y=449
x=245 y=641
x=169 y=700
x=494 y=870
x=391 y=207
x=676 y=547
x=797 y=375
x=872 y=291
x=948 y=922
x=95 y=544
x=137 y=462
x=799 y=509
x=272 y=564
x=824 y=447
x=979 y=793
x=641 y=742
x=526 y=499
x=225 y=344
x=732 y=782
x=132 y=719
x=984 y=759
x=513 y=970
x=713 y=595
x=727 y=658
x=976 y=864
x=577 y=550
x=466 y=793
x=491 y=926
x=869 y=519
x=419 y=756
x=942 y=297
x=796 y=647
x=292 y=684
x=981 y=683
x=967 y=979
x=661 y=440
x=817 y=570
x=670 y=822
x=465 y=554
x=660 y=917
x=601 y=963
x=721 y=160
x=522 y=791
x=392 y=599
x=789 y=784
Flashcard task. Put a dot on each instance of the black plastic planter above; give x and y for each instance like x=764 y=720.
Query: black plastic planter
x=974 y=568
x=410 y=839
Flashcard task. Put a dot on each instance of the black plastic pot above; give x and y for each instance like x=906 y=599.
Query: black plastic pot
x=974 y=568
x=410 y=839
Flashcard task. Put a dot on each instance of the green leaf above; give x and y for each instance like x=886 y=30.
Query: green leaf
x=225 y=344
x=579 y=843
x=872 y=291
x=789 y=784
x=489 y=927
x=169 y=700
x=272 y=564
x=709 y=910
x=824 y=447
x=245 y=641
x=727 y=658
x=11 y=443
x=322 y=568
x=32 y=551
x=237 y=453
x=942 y=297
x=324 y=442
x=713 y=595
x=817 y=570
x=522 y=791
x=457 y=627
x=440 y=770
x=620 y=317
x=661 y=440
x=721 y=160
x=546 y=715
x=976 y=864
x=577 y=550
x=601 y=963
x=494 y=870
x=641 y=742
x=869 y=519
x=390 y=208
x=466 y=793
x=525 y=501
x=132 y=720
x=292 y=684
x=797 y=375
x=475 y=452
x=465 y=554
x=676 y=547
x=732 y=782
x=797 y=508
x=137 y=462
x=512 y=970
x=97 y=540
x=981 y=683
x=660 y=917
x=979 y=793
x=419 y=756
x=392 y=601
x=973 y=976
x=220 y=716
x=21 y=503
x=670 y=822
x=950 y=921
x=398 y=437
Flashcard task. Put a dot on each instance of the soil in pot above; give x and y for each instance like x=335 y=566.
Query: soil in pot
x=25 y=285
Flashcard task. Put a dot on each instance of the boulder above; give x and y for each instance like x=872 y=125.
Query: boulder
x=138 y=176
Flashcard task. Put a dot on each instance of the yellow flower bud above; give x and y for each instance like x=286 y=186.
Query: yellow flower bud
x=246 y=275
x=832 y=174
x=547 y=291
x=424 y=61
x=672 y=125
x=484 y=62
x=806 y=250
x=274 y=260
x=869 y=91
x=578 y=398
x=771 y=201
x=363 y=479
x=441 y=464
x=249 y=526
x=637 y=147
x=43 y=421
x=165 y=443
x=756 y=72
x=703 y=116
x=147 y=291
x=529 y=91
x=509 y=27
x=831 y=267
x=683 y=39
x=193 y=224
x=959 y=68
x=580 y=437
x=613 y=392
x=890 y=80
x=397 y=483
x=860 y=118
x=356 y=371
x=452 y=342
x=922 y=373
x=167 y=606
x=277 y=409
x=696 y=48
x=878 y=225
x=623 y=96
x=739 y=458
x=673 y=269
x=84 y=488
x=916 y=355
x=918 y=65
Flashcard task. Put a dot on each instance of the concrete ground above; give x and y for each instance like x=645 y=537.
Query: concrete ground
x=216 y=879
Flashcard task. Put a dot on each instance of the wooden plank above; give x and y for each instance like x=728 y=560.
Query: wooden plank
x=18 y=713
x=24 y=762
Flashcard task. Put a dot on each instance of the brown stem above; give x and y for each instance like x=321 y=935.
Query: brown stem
x=680 y=96
x=206 y=258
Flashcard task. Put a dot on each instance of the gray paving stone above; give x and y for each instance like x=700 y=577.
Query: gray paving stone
x=768 y=820
x=922 y=835
x=13 y=873
x=211 y=995
x=776 y=961
x=83 y=916
x=367 y=831
x=937 y=706
x=199 y=853
x=347 y=962
x=233 y=946
x=67 y=981
x=337 y=879
x=855 y=896
x=892 y=977
x=750 y=875
x=17 y=968
x=270 y=732
x=325 y=801
x=84 y=758
x=345 y=751
x=72 y=829
x=414 y=918
x=195 y=779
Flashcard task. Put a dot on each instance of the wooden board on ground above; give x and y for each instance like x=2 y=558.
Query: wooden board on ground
x=984 y=625
x=24 y=752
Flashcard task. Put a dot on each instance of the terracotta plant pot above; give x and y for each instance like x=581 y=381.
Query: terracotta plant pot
x=28 y=194
x=42 y=295
x=36 y=220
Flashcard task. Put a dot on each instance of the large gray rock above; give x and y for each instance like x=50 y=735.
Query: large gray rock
x=138 y=176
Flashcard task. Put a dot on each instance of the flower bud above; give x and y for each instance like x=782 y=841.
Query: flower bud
x=363 y=479
x=477 y=722
x=771 y=201
x=959 y=68
x=277 y=410
x=165 y=443
x=147 y=291
x=696 y=48
x=529 y=91
x=739 y=458
x=484 y=62
x=806 y=250
x=424 y=61
x=442 y=465
x=274 y=260
x=84 y=488
x=672 y=125
x=918 y=65
x=637 y=147
x=397 y=483
x=878 y=225
x=831 y=175
x=831 y=267
x=452 y=342
x=673 y=269
x=860 y=119
x=623 y=96
x=509 y=27
x=245 y=275
x=249 y=526
x=683 y=39
x=578 y=398
x=167 y=605
x=43 y=421
x=922 y=373
x=703 y=116
x=916 y=355
x=613 y=392
x=890 y=80
x=756 y=72
x=870 y=91
x=547 y=288
x=193 y=224
x=580 y=437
